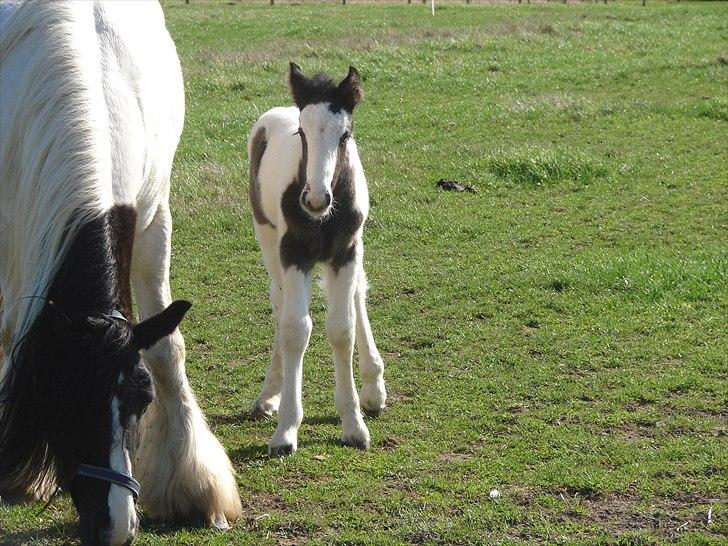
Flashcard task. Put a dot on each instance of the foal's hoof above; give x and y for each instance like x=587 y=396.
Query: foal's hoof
x=356 y=443
x=258 y=413
x=372 y=412
x=281 y=451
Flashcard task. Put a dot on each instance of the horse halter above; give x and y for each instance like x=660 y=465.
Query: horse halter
x=98 y=473
x=109 y=475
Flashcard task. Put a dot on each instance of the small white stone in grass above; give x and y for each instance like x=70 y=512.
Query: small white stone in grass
x=494 y=494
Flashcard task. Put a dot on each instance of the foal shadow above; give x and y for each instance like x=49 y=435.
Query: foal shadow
x=322 y=420
x=228 y=419
x=245 y=416
x=248 y=454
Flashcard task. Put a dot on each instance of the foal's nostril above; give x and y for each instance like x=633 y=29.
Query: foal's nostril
x=314 y=204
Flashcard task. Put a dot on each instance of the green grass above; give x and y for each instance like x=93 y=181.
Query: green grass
x=559 y=335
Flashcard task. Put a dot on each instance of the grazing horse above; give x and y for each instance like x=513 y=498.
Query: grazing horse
x=310 y=199
x=91 y=111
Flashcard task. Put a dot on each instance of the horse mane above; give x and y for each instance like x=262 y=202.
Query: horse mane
x=55 y=164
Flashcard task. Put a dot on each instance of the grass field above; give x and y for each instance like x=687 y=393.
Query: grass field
x=559 y=335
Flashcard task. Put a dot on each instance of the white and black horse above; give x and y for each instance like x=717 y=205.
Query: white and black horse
x=91 y=111
x=310 y=199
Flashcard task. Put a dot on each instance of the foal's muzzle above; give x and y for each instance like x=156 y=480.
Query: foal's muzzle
x=313 y=205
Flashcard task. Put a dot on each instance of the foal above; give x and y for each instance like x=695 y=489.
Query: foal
x=310 y=200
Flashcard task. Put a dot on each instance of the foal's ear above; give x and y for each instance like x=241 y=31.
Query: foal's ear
x=298 y=82
x=350 y=91
x=153 y=329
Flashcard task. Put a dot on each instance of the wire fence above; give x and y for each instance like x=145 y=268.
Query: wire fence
x=344 y=2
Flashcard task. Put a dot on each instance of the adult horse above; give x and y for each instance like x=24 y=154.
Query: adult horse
x=91 y=110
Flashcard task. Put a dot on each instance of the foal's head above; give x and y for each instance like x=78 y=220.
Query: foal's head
x=77 y=391
x=325 y=125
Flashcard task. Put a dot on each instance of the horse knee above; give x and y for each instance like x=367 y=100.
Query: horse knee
x=295 y=332
x=341 y=333
x=166 y=362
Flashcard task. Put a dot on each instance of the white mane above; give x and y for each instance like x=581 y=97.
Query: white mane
x=55 y=166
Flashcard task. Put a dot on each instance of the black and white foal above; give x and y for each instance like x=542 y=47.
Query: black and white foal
x=310 y=200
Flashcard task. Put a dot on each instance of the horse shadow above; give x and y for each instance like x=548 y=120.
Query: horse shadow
x=53 y=532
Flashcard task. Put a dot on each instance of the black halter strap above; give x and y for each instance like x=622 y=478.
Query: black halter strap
x=111 y=476
x=98 y=473
x=115 y=314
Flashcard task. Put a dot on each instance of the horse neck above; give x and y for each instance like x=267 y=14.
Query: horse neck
x=94 y=276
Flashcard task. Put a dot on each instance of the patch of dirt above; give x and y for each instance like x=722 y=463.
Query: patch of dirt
x=624 y=512
x=461 y=453
x=454 y=456
x=634 y=432
x=389 y=444
x=260 y=504
x=667 y=516
x=291 y=534
x=399 y=397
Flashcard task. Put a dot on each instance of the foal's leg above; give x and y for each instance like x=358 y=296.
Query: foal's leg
x=340 y=325
x=270 y=394
x=294 y=331
x=184 y=471
x=371 y=366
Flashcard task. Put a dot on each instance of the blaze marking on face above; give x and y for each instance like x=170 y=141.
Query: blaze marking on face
x=323 y=130
x=122 y=511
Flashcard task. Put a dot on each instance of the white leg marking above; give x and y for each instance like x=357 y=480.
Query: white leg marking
x=371 y=366
x=340 y=325
x=270 y=394
x=294 y=331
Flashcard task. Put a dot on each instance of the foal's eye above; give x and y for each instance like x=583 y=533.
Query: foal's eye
x=344 y=137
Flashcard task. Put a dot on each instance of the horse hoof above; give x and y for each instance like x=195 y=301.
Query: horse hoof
x=257 y=413
x=356 y=443
x=220 y=522
x=281 y=451
x=372 y=412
